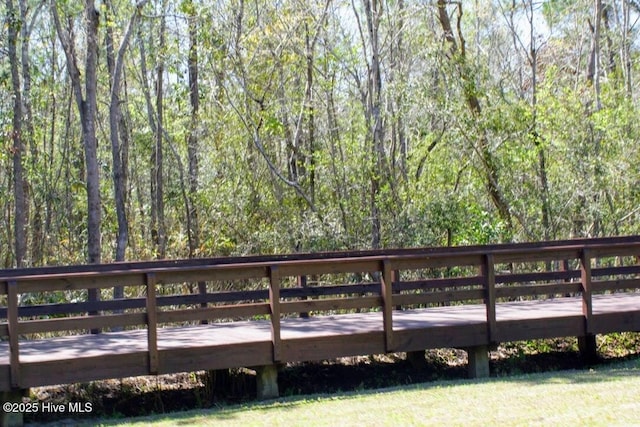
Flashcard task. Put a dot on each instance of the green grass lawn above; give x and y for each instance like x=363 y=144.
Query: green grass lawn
x=606 y=395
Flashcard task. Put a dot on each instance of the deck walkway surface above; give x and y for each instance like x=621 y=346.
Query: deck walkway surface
x=70 y=348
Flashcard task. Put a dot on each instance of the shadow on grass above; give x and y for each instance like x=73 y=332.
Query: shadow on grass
x=345 y=379
x=607 y=372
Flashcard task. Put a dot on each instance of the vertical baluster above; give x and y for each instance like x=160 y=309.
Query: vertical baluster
x=587 y=342
x=274 y=304
x=585 y=278
x=387 y=304
x=152 y=323
x=489 y=278
x=302 y=283
x=93 y=296
x=12 y=325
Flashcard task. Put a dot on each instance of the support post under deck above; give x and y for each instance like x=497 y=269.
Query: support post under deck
x=478 y=361
x=267 y=382
x=588 y=348
x=12 y=418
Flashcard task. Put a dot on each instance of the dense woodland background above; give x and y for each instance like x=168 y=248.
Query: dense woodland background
x=190 y=128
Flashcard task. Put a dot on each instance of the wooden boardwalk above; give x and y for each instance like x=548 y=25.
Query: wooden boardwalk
x=248 y=343
x=261 y=311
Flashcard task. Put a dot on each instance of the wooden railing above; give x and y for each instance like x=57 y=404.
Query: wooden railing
x=271 y=288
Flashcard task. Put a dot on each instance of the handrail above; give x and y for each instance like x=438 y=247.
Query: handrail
x=128 y=266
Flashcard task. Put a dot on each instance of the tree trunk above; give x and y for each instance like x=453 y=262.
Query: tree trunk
x=626 y=48
x=537 y=139
x=158 y=232
x=193 y=143
x=49 y=167
x=309 y=114
x=193 y=226
x=373 y=11
x=19 y=183
x=458 y=53
x=87 y=106
x=35 y=180
x=398 y=75
x=90 y=111
x=338 y=175
x=117 y=133
x=114 y=137
x=593 y=70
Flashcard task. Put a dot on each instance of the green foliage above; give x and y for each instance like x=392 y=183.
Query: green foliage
x=282 y=168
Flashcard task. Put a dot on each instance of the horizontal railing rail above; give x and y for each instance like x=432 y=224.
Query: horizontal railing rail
x=5 y=274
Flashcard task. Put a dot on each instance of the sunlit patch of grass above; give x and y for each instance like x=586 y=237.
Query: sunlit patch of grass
x=603 y=396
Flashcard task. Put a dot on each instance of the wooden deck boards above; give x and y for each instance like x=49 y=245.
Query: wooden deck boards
x=229 y=334
x=83 y=358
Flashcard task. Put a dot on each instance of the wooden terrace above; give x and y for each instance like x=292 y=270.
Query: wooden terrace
x=259 y=312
